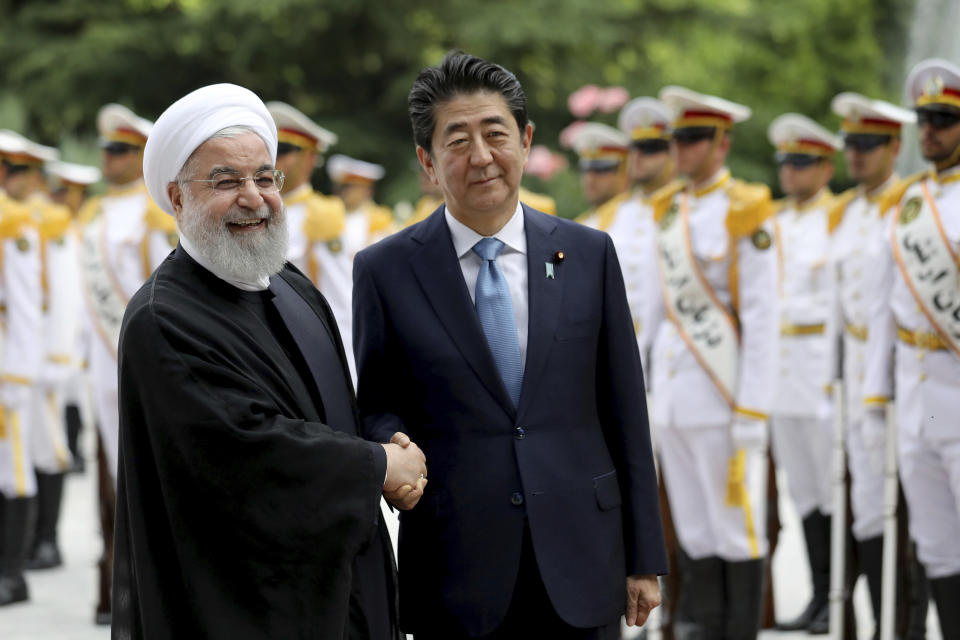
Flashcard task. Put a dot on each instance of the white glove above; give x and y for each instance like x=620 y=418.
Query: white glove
x=873 y=431
x=749 y=433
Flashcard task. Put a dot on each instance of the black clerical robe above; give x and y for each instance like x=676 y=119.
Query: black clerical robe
x=241 y=512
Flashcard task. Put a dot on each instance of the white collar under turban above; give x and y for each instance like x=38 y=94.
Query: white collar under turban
x=190 y=121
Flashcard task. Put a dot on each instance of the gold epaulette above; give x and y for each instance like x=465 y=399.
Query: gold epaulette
x=157 y=219
x=381 y=218
x=424 y=207
x=54 y=221
x=13 y=218
x=325 y=218
x=750 y=207
x=538 y=201
x=838 y=207
x=778 y=205
x=663 y=197
x=893 y=195
x=90 y=210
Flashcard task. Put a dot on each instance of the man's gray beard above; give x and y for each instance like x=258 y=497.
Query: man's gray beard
x=245 y=257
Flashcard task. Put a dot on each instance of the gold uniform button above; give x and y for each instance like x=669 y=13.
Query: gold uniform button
x=923 y=377
x=920 y=354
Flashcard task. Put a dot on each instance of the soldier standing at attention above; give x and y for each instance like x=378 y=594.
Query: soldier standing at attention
x=603 y=172
x=913 y=336
x=124 y=237
x=802 y=426
x=718 y=273
x=871 y=140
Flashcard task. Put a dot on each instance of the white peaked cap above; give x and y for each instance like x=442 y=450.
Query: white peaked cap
x=934 y=81
x=856 y=108
x=343 y=168
x=116 y=117
x=681 y=100
x=12 y=142
x=291 y=119
x=641 y=117
x=190 y=121
x=74 y=173
x=796 y=133
x=595 y=136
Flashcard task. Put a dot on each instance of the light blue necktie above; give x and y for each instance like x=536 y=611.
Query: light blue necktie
x=496 y=316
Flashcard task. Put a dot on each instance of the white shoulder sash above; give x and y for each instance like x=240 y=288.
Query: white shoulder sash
x=105 y=297
x=928 y=262
x=703 y=322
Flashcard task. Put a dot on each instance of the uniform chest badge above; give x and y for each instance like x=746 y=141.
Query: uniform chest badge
x=910 y=210
x=334 y=245
x=23 y=244
x=669 y=217
x=761 y=239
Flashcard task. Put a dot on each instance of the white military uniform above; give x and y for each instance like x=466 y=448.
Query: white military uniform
x=60 y=314
x=364 y=225
x=126 y=236
x=926 y=385
x=22 y=359
x=917 y=290
x=691 y=415
x=802 y=418
x=854 y=254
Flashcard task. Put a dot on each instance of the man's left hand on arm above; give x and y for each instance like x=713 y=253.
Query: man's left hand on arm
x=643 y=596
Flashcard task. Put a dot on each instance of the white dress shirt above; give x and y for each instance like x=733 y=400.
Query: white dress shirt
x=512 y=262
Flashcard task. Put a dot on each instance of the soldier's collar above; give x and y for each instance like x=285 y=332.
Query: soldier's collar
x=718 y=179
x=299 y=194
x=128 y=189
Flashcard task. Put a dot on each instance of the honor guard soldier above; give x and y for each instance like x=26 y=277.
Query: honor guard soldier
x=801 y=423
x=871 y=139
x=650 y=167
x=34 y=257
x=316 y=222
x=603 y=172
x=124 y=237
x=69 y=186
x=713 y=365
x=913 y=336
x=22 y=358
x=70 y=183
x=354 y=182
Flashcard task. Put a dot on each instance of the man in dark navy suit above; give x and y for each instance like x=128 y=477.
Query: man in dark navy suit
x=499 y=339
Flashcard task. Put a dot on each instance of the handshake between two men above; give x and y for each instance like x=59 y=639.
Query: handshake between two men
x=406 y=472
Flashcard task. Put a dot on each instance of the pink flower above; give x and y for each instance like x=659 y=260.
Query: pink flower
x=584 y=100
x=543 y=163
x=612 y=98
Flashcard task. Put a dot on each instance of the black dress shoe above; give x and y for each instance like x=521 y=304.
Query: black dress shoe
x=804 y=620
x=46 y=555
x=102 y=618
x=13 y=589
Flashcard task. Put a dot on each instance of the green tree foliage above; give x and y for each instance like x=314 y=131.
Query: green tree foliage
x=350 y=63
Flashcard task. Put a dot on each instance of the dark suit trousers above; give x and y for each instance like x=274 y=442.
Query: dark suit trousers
x=530 y=615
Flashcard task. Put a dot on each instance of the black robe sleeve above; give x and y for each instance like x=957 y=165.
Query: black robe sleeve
x=236 y=517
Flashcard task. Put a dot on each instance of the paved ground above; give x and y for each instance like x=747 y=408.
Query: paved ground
x=63 y=599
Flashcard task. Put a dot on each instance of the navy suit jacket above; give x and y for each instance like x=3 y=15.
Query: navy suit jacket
x=573 y=460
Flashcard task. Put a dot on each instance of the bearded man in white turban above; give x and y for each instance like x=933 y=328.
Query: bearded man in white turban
x=247 y=506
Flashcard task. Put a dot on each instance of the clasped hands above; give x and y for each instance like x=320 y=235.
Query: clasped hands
x=406 y=472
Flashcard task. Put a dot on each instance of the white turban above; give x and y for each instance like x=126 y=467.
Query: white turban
x=190 y=121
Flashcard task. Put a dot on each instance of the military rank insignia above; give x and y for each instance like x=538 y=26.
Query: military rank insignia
x=23 y=244
x=761 y=239
x=335 y=245
x=910 y=210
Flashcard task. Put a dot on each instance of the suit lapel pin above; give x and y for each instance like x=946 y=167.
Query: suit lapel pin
x=558 y=258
